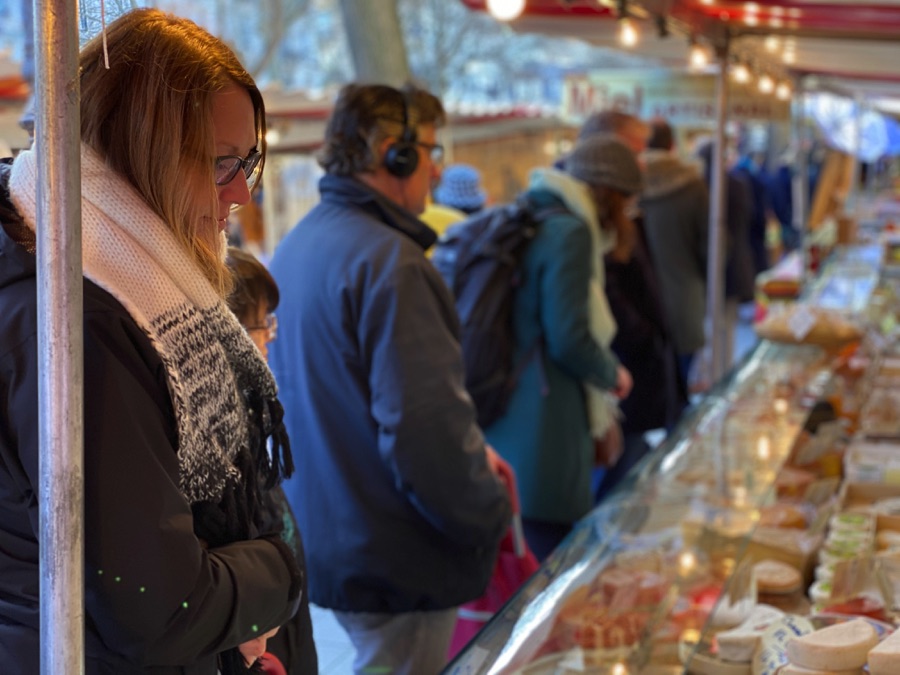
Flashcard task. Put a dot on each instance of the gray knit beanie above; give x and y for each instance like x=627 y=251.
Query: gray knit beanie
x=603 y=160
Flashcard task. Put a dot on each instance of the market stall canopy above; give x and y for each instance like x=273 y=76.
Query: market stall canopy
x=847 y=47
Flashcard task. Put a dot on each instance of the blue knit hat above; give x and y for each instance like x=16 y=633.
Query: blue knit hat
x=460 y=187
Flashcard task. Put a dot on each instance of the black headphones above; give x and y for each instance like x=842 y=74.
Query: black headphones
x=402 y=157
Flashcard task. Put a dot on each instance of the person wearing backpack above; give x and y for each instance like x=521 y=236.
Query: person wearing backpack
x=565 y=372
x=395 y=493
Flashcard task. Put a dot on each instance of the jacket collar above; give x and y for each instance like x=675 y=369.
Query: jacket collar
x=347 y=190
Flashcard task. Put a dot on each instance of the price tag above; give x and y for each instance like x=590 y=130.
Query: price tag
x=801 y=321
x=772 y=653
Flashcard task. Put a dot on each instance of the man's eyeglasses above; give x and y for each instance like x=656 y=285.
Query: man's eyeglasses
x=227 y=167
x=271 y=326
x=435 y=151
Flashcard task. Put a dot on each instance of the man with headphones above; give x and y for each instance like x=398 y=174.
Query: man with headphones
x=395 y=491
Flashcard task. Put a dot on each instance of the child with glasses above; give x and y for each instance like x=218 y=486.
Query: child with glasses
x=253 y=300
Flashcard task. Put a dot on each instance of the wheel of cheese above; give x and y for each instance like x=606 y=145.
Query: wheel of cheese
x=738 y=644
x=884 y=658
x=774 y=576
x=843 y=646
x=786 y=516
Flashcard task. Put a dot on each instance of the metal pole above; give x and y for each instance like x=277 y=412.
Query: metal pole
x=855 y=191
x=60 y=339
x=715 y=287
x=800 y=168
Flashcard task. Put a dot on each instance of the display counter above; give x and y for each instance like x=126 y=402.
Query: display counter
x=682 y=548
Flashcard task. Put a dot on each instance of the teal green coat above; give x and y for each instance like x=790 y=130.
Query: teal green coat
x=544 y=433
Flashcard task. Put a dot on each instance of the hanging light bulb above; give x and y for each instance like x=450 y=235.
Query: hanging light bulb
x=698 y=56
x=741 y=73
x=505 y=10
x=766 y=84
x=628 y=35
x=771 y=43
x=783 y=91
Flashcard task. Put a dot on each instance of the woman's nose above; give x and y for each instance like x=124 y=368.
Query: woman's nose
x=236 y=191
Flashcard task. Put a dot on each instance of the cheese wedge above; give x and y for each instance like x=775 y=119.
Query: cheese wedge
x=791 y=669
x=739 y=643
x=884 y=658
x=843 y=646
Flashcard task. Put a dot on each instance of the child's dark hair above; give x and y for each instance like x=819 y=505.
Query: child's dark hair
x=253 y=285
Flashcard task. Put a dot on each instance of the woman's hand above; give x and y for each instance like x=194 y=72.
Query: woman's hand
x=623 y=383
x=253 y=649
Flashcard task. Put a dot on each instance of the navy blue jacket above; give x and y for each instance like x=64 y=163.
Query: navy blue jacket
x=395 y=503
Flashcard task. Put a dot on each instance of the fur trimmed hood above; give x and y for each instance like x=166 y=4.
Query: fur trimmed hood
x=665 y=174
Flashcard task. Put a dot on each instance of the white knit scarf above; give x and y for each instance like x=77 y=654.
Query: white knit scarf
x=209 y=359
x=602 y=405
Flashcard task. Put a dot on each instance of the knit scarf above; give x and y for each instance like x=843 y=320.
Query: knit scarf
x=602 y=406
x=223 y=393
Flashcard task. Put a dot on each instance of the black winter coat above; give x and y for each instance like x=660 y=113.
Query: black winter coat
x=642 y=343
x=156 y=601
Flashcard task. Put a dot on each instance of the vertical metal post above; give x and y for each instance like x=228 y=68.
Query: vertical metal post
x=855 y=191
x=715 y=286
x=800 y=168
x=60 y=338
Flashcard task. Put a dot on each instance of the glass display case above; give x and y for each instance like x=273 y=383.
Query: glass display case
x=632 y=587
x=640 y=582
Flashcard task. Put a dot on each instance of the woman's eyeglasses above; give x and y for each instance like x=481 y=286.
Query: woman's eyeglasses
x=271 y=327
x=227 y=167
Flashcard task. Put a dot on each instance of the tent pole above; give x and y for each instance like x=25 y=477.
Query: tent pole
x=715 y=287
x=60 y=338
x=800 y=168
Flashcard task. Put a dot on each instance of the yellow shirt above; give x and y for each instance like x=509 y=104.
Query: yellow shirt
x=439 y=217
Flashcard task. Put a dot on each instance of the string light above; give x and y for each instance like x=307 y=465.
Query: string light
x=790 y=52
x=741 y=73
x=628 y=35
x=505 y=10
x=698 y=57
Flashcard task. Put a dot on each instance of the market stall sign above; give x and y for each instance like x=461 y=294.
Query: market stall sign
x=681 y=98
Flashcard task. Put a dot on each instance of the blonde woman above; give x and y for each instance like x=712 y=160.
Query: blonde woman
x=179 y=405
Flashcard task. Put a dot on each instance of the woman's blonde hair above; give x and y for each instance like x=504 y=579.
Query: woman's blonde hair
x=150 y=116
